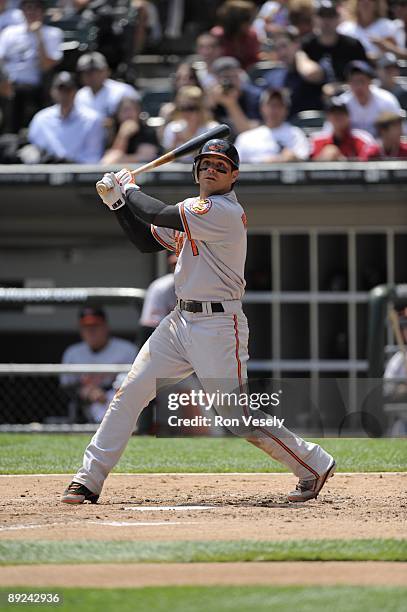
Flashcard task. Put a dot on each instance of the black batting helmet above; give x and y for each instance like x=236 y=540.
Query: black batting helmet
x=220 y=148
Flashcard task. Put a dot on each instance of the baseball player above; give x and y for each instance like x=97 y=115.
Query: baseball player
x=207 y=332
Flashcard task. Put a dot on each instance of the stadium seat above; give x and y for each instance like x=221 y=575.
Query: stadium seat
x=309 y=120
x=152 y=101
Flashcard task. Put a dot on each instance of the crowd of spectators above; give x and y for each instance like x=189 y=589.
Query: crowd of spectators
x=295 y=79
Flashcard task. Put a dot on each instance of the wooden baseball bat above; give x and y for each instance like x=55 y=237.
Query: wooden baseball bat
x=220 y=131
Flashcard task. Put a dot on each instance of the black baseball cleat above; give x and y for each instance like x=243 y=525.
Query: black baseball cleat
x=309 y=489
x=77 y=493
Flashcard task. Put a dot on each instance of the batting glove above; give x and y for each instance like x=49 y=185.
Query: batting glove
x=126 y=181
x=113 y=198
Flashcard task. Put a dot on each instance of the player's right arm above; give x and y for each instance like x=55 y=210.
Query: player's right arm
x=123 y=191
x=145 y=236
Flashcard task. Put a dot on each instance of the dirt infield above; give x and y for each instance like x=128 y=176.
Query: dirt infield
x=242 y=506
x=206 y=574
x=227 y=507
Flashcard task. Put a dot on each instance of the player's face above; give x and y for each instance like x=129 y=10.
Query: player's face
x=216 y=175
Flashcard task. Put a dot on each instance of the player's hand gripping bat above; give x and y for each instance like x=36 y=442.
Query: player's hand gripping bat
x=220 y=131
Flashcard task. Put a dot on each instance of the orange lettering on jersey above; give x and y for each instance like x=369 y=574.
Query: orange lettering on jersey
x=179 y=242
x=201 y=207
x=244 y=220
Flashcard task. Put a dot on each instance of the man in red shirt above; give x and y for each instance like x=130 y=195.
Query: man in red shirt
x=390 y=128
x=338 y=141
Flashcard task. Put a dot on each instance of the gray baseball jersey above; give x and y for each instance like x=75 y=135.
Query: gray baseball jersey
x=212 y=250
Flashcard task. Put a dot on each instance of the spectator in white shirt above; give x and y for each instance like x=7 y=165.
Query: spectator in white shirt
x=369 y=22
x=9 y=16
x=276 y=140
x=399 y=10
x=65 y=132
x=364 y=100
x=29 y=50
x=99 y=92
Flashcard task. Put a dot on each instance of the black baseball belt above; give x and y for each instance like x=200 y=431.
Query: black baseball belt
x=192 y=306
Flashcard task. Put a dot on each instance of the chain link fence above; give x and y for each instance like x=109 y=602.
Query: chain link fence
x=32 y=394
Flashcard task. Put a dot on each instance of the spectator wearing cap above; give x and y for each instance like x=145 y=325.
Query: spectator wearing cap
x=276 y=140
x=29 y=50
x=389 y=127
x=332 y=50
x=338 y=141
x=302 y=76
x=234 y=99
x=99 y=92
x=364 y=100
x=368 y=23
x=92 y=393
x=66 y=132
x=388 y=71
x=235 y=32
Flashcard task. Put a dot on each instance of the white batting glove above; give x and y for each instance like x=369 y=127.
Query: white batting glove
x=113 y=197
x=126 y=180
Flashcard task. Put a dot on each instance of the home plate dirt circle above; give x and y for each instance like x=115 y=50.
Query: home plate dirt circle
x=204 y=507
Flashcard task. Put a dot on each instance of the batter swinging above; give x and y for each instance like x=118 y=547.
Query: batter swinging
x=207 y=332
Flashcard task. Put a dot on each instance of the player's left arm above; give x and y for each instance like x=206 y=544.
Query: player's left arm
x=150 y=210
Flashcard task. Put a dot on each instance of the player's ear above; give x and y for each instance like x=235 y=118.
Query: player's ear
x=235 y=174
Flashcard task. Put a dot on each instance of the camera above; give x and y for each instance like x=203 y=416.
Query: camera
x=227 y=85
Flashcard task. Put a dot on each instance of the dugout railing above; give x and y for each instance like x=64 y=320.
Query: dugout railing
x=32 y=398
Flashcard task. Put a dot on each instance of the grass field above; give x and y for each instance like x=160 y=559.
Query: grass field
x=62 y=454
x=225 y=599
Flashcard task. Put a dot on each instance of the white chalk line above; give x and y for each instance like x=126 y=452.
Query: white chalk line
x=158 y=508
x=101 y=523
x=141 y=524
x=33 y=526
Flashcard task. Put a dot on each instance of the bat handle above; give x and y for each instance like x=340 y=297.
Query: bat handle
x=101 y=188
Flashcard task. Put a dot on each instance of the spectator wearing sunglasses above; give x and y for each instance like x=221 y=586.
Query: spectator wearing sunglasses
x=191 y=118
